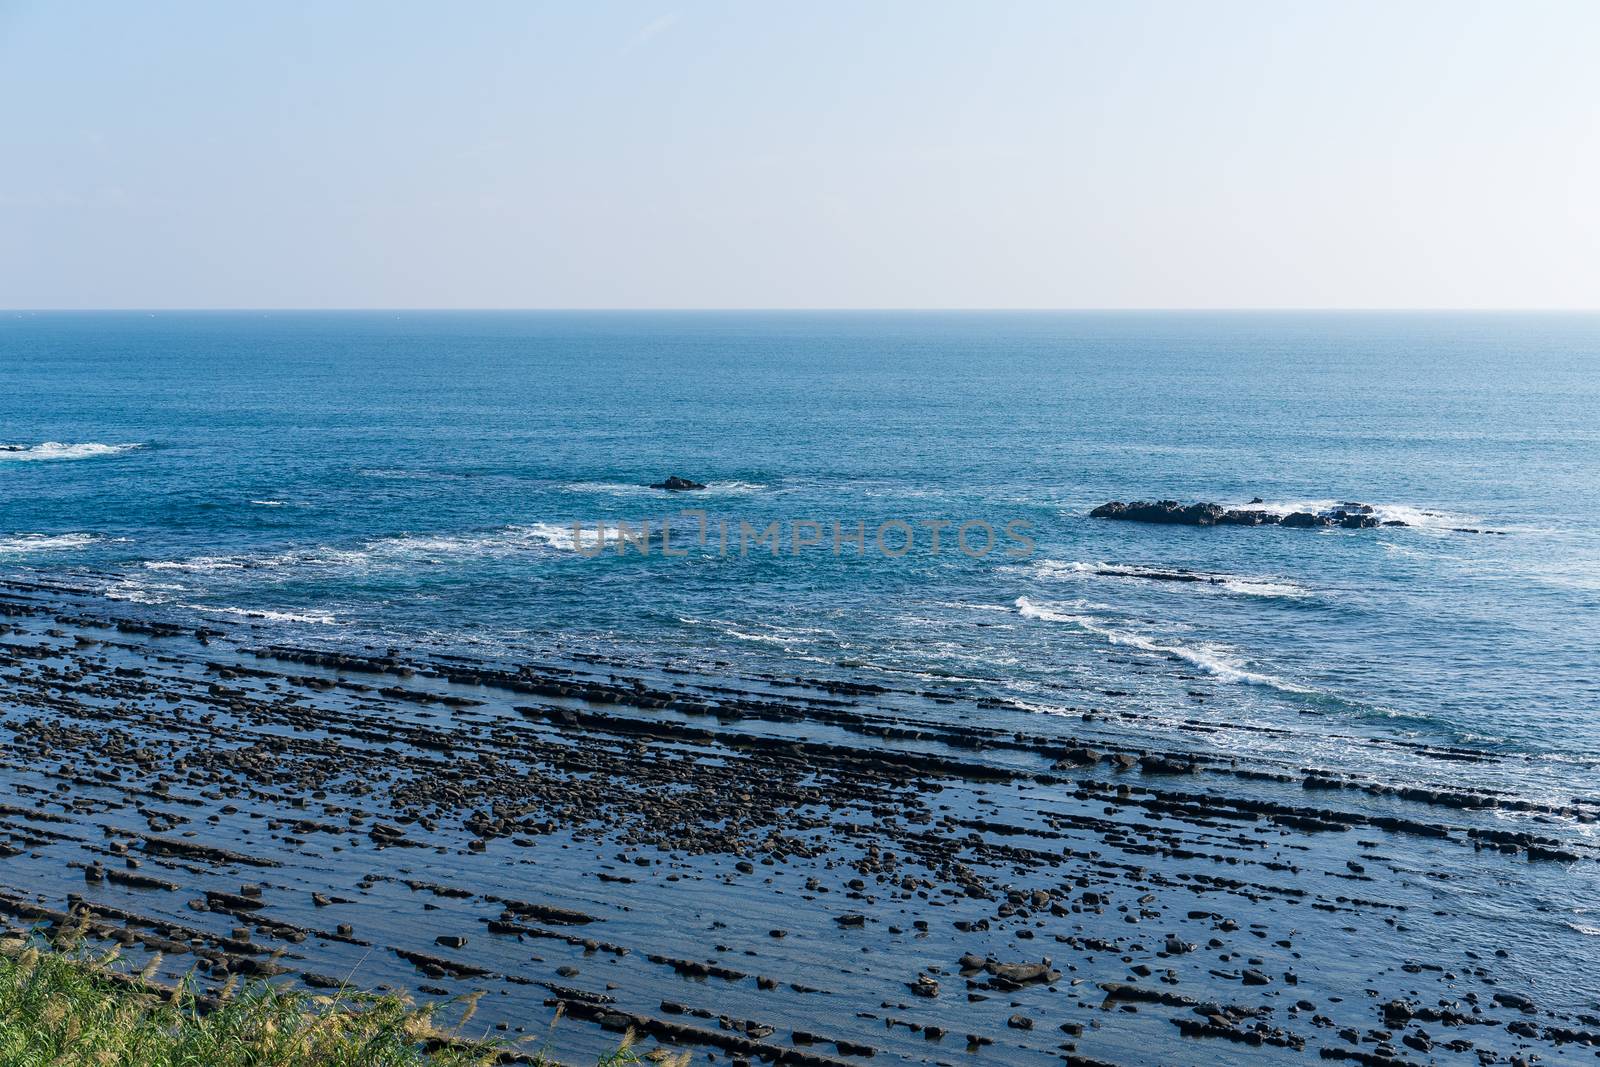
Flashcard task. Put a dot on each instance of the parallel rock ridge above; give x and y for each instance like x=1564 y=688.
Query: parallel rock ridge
x=772 y=868
x=1349 y=515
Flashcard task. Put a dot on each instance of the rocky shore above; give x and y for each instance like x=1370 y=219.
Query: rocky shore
x=776 y=869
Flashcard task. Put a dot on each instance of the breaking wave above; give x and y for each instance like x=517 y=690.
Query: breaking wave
x=29 y=543
x=1422 y=518
x=1210 y=658
x=504 y=541
x=320 y=618
x=397 y=550
x=1242 y=585
x=139 y=591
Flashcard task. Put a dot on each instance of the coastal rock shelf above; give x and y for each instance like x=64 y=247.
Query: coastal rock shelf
x=782 y=870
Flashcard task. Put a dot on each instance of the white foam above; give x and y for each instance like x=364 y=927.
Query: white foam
x=1060 y=568
x=319 y=618
x=136 y=591
x=321 y=557
x=268 y=503
x=198 y=565
x=766 y=639
x=387 y=551
x=28 y=543
x=55 y=450
x=772 y=634
x=1422 y=518
x=629 y=489
x=1261 y=588
x=607 y=488
x=1050 y=613
x=505 y=541
x=1210 y=658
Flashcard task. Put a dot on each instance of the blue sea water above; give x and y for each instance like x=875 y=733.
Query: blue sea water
x=411 y=479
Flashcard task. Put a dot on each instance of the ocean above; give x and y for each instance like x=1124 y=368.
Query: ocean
x=312 y=665
x=359 y=479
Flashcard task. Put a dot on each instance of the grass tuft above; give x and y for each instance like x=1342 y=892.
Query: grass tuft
x=59 y=1005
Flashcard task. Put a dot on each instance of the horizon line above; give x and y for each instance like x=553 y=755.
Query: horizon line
x=1123 y=309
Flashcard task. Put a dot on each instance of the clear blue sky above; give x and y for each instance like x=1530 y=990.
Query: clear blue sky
x=867 y=154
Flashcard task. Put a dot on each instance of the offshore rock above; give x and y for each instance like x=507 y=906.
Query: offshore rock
x=676 y=484
x=1161 y=511
x=1348 y=515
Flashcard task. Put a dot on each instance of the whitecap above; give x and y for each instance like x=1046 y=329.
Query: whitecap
x=1262 y=588
x=55 y=450
x=397 y=550
x=136 y=591
x=320 y=557
x=320 y=618
x=766 y=639
x=198 y=565
x=504 y=541
x=28 y=543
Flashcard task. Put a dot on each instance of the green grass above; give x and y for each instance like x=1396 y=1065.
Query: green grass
x=61 y=1006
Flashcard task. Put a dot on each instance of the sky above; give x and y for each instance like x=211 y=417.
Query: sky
x=864 y=154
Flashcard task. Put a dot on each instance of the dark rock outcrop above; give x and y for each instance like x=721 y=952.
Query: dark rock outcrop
x=1248 y=517
x=675 y=484
x=1348 y=515
x=1161 y=511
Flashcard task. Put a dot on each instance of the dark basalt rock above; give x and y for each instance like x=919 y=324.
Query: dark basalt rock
x=1349 y=515
x=1162 y=511
x=1303 y=520
x=676 y=484
x=1248 y=518
x=1357 y=521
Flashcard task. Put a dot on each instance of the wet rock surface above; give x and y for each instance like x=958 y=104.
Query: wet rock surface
x=1350 y=515
x=779 y=870
x=676 y=484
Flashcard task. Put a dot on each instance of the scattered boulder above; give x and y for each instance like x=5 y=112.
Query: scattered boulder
x=1515 y=1000
x=1301 y=520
